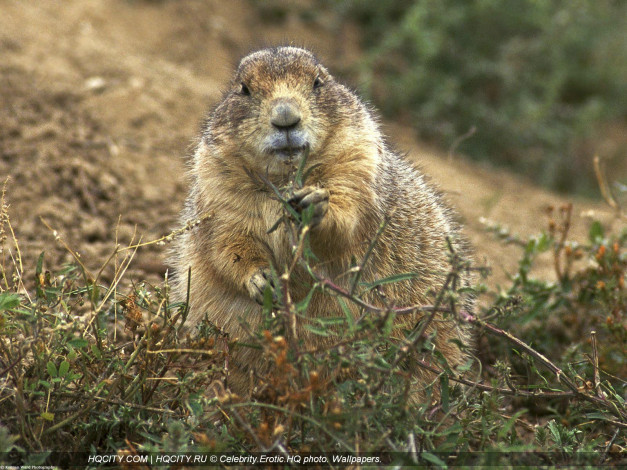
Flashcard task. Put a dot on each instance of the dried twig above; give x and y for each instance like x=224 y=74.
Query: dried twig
x=560 y=375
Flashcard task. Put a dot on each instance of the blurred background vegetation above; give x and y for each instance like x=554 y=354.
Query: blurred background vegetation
x=538 y=86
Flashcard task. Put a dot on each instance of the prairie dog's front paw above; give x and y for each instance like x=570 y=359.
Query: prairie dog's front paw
x=257 y=283
x=311 y=196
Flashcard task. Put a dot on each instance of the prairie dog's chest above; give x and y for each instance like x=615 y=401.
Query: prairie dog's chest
x=255 y=216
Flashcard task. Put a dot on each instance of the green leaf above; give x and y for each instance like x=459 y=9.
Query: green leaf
x=302 y=306
x=44 y=383
x=541 y=436
x=444 y=387
x=40 y=264
x=434 y=459
x=391 y=279
x=78 y=343
x=194 y=404
x=71 y=377
x=96 y=351
x=310 y=170
x=47 y=416
x=64 y=368
x=9 y=301
x=52 y=369
x=530 y=248
x=381 y=362
x=298 y=178
x=276 y=225
x=596 y=232
x=543 y=242
x=267 y=298
x=328 y=321
x=350 y=320
x=509 y=424
x=291 y=211
x=554 y=430
x=388 y=326
x=94 y=292
x=317 y=331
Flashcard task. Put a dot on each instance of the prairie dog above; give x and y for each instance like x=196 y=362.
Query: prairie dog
x=283 y=104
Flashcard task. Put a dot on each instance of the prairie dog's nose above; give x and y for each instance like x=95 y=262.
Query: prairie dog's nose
x=284 y=114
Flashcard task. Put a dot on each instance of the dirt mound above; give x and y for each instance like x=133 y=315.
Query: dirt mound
x=101 y=100
x=63 y=169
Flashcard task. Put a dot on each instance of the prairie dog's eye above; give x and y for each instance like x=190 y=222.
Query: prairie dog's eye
x=244 y=90
x=317 y=83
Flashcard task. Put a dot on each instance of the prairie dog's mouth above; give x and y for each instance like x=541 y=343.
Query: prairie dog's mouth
x=289 y=153
x=287 y=145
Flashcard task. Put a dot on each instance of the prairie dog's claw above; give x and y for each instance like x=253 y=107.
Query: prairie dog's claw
x=312 y=196
x=257 y=283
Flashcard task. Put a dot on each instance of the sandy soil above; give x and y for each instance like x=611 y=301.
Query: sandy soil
x=101 y=99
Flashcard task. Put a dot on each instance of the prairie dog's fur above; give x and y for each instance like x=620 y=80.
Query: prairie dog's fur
x=280 y=101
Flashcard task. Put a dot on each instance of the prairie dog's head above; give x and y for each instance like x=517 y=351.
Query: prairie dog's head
x=280 y=101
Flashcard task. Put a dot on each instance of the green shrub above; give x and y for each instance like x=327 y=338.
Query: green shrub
x=73 y=379
x=532 y=85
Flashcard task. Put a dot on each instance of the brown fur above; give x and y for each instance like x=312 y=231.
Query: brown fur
x=358 y=182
